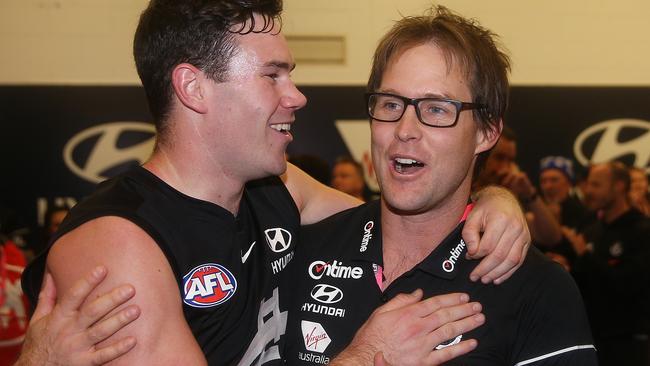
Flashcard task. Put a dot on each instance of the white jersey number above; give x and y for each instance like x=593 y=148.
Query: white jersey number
x=271 y=330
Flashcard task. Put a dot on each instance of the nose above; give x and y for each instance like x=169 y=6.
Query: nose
x=408 y=127
x=293 y=98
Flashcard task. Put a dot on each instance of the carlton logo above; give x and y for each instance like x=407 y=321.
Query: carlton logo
x=615 y=139
x=102 y=151
x=336 y=269
x=367 y=235
x=449 y=264
x=208 y=285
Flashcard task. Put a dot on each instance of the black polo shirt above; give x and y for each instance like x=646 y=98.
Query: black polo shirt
x=534 y=318
x=615 y=278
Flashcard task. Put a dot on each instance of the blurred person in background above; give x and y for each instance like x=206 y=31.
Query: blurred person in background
x=348 y=177
x=54 y=218
x=13 y=303
x=639 y=195
x=556 y=179
x=500 y=169
x=612 y=270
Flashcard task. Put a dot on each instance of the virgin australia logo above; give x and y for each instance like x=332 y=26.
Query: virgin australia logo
x=93 y=154
x=615 y=139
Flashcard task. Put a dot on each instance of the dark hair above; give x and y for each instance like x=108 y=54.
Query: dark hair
x=199 y=32
x=461 y=40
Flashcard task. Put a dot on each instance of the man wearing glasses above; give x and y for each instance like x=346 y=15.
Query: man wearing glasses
x=205 y=230
x=426 y=140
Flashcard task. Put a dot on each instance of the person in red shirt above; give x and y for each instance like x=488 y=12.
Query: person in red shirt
x=13 y=303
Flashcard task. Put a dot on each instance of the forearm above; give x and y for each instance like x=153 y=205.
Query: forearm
x=545 y=228
x=353 y=356
x=493 y=191
x=31 y=359
x=325 y=202
x=314 y=200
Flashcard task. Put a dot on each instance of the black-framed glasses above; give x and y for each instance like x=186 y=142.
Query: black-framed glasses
x=434 y=112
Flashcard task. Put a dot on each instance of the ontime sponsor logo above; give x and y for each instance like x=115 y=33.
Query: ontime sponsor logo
x=367 y=235
x=449 y=264
x=336 y=269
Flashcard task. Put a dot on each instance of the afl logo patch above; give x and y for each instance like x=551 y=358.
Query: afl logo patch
x=208 y=285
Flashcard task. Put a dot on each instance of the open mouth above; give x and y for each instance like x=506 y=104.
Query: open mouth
x=282 y=127
x=406 y=165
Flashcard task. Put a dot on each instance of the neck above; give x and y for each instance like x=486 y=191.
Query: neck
x=187 y=171
x=618 y=208
x=408 y=239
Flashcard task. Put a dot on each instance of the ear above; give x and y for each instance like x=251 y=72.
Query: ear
x=488 y=137
x=188 y=83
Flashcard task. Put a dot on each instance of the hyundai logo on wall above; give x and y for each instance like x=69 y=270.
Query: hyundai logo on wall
x=616 y=139
x=96 y=153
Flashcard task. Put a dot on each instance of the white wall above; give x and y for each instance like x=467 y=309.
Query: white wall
x=552 y=42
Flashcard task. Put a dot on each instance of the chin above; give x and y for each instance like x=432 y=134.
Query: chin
x=265 y=169
x=405 y=205
x=279 y=167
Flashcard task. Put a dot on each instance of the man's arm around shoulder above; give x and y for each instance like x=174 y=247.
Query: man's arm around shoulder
x=314 y=200
x=131 y=256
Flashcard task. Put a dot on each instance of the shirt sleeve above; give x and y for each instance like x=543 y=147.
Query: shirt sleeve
x=553 y=325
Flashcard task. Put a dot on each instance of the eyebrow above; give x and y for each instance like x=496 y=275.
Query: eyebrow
x=426 y=95
x=281 y=65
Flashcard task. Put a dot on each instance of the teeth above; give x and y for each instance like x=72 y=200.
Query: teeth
x=406 y=161
x=282 y=127
x=403 y=163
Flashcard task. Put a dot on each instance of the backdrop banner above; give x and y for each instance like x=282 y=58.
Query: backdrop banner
x=58 y=142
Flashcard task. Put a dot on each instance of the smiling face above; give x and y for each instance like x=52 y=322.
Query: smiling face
x=555 y=186
x=421 y=168
x=252 y=111
x=639 y=183
x=601 y=190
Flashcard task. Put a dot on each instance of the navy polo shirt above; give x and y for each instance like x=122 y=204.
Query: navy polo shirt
x=535 y=318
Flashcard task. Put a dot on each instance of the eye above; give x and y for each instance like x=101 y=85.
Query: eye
x=436 y=107
x=391 y=105
x=436 y=110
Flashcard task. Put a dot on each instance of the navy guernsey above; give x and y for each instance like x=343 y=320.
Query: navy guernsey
x=228 y=268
